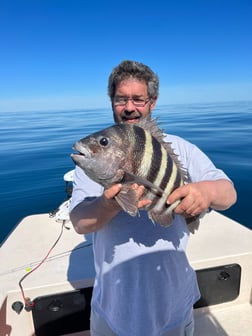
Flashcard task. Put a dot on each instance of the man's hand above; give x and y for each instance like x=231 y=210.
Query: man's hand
x=195 y=198
x=199 y=196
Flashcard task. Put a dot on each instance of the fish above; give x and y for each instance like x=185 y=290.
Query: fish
x=135 y=153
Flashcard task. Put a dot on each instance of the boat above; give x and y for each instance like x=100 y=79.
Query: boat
x=47 y=274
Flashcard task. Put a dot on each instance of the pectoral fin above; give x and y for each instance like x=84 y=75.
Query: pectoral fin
x=128 y=200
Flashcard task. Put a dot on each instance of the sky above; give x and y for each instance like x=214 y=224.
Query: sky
x=58 y=54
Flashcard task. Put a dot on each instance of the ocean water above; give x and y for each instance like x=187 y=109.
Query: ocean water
x=35 y=152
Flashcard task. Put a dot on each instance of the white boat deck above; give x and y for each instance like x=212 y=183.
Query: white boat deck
x=226 y=242
x=219 y=241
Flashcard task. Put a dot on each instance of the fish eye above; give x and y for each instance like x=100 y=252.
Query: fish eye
x=104 y=141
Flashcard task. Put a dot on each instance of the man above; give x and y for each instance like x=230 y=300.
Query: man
x=144 y=284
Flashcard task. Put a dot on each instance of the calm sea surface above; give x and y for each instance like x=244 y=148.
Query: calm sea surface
x=35 y=152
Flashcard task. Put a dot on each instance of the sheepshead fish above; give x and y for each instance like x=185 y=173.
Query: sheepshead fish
x=135 y=153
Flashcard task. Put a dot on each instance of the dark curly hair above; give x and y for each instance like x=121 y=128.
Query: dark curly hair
x=135 y=70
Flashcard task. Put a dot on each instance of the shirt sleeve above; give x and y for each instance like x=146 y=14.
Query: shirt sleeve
x=83 y=188
x=198 y=165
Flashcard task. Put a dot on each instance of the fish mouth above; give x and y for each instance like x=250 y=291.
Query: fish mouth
x=82 y=151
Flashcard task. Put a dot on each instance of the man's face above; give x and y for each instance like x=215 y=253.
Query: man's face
x=131 y=102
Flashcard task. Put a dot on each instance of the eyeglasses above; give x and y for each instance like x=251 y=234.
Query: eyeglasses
x=138 y=102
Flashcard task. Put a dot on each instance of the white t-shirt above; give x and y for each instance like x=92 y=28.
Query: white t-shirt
x=144 y=283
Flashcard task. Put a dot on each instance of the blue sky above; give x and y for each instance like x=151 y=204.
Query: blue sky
x=57 y=54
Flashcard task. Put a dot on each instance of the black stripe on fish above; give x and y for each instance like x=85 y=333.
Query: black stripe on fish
x=155 y=162
x=167 y=176
x=139 y=138
x=178 y=181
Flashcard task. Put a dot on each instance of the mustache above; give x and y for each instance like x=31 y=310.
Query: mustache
x=131 y=114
